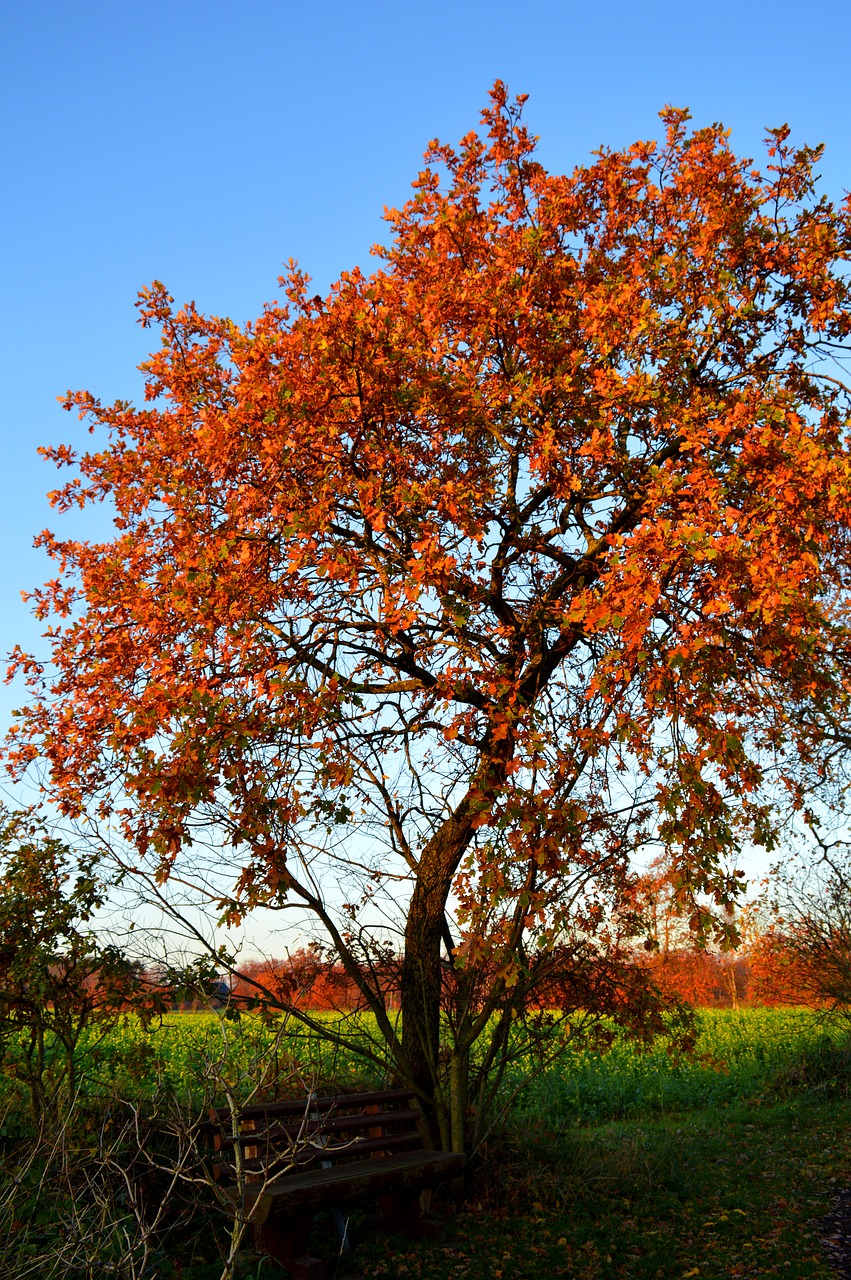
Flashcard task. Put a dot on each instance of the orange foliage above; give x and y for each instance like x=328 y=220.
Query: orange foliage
x=301 y=979
x=776 y=974
x=469 y=579
x=700 y=977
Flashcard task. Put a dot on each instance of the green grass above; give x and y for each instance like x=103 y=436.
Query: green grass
x=708 y=1193
x=738 y=1053
x=623 y=1165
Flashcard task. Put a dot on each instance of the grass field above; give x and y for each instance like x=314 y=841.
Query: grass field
x=706 y=1193
x=613 y=1166
x=738 y=1052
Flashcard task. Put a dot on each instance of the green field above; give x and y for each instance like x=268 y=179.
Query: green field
x=738 y=1053
x=624 y=1164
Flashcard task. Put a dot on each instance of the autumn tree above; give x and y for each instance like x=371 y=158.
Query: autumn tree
x=678 y=949
x=803 y=955
x=434 y=599
x=302 y=978
x=776 y=973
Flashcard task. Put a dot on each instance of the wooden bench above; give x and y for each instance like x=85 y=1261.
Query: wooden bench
x=290 y=1159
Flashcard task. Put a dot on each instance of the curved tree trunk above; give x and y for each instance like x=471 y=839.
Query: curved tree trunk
x=424 y=934
x=421 y=983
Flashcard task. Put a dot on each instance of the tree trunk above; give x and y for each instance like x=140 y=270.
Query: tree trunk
x=459 y=1082
x=420 y=992
x=421 y=967
x=424 y=932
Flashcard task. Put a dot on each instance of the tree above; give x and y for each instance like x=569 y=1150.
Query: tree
x=441 y=596
x=776 y=973
x=804 y=954
x=58 y=978
x=695 y=973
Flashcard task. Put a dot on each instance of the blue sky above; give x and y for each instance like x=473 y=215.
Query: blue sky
x=205 y=143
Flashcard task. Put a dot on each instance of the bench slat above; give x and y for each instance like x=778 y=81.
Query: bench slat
x=303 y=1106
x=358 y=1149
x=334 y=1124
x=320 y=1187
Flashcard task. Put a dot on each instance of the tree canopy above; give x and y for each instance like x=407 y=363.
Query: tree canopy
x=444 y=595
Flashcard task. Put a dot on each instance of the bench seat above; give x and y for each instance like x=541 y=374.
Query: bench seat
x=309 y=1192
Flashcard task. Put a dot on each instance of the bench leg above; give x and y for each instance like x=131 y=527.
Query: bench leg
x=288 y=1241
x=400 y=1209
x=341 y=1222
x=405 y=1212
x=306 y=1269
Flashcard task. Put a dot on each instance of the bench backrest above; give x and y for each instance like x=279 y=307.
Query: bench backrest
x=312 y=1132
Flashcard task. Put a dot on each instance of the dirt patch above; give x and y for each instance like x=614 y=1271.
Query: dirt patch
x=834 y=1231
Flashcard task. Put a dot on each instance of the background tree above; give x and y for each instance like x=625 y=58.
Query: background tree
x=804 y=954
x=434 y=600
x=776 y=974
x=60 y=982
x=682 y=961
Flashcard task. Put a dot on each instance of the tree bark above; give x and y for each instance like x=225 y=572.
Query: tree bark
x=459 y=1081
x=424 y=931
x=421 y=977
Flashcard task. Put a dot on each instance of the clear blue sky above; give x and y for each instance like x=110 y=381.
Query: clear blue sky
x=205 y=143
